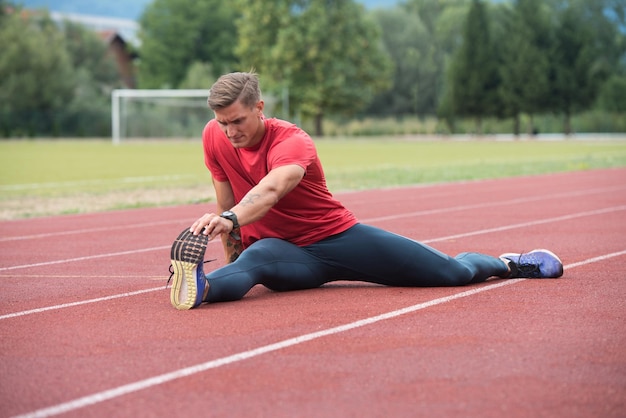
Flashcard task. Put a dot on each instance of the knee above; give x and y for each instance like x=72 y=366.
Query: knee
x=456 y=277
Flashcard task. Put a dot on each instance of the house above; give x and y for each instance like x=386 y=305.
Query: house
x=116 y=33
x=118 y=49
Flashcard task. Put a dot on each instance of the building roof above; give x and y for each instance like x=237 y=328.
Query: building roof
x=125 y=28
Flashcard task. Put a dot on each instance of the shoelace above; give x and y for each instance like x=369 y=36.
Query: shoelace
x=531 y=266
x=171 y=270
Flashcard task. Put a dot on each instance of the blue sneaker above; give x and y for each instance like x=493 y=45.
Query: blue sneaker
x=537 y=264
x=190 y=286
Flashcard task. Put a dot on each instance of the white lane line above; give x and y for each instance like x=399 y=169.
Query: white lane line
x=82 y=302
x=529 y=223
x=595 y=259
x=467 y=234
x=107 y=228
x=87 y=257
x=518 y=201
x=154 y=289
x=244 y=355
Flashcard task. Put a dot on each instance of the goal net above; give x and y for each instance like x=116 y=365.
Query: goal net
x=141 y=114
x=166 y=113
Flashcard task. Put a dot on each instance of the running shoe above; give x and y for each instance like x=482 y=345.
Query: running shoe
x=537 y=264
x=189 y=286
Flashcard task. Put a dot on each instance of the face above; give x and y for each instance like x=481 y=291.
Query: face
x=242 y=125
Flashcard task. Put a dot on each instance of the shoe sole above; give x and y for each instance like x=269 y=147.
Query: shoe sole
x=513 y=255
x=187 y=252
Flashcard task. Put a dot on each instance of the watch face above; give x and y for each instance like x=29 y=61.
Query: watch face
x=230 y=216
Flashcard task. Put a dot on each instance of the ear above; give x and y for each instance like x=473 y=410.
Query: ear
x=260 y=105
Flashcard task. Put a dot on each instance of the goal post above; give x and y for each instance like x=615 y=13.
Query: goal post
x=119 y=96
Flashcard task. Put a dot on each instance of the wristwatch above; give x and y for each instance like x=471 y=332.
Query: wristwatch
x=231 y=217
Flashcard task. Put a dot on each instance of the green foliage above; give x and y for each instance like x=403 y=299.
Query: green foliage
x=574 y=86
x=474 y=72
x=87 y=51
x=53 y=80
x=597 y=121
x=613 y=93
x=332 y=60
x=420 y=37
x=525 y=61
x=415 y=76
x=552 y=56
x=327 y=53
x=177 y=33
x=200 y=75
x=258 y=28
x=95 y=74
x=35 y=76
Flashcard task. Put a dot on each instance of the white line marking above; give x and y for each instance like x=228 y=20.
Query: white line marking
x=87 y=257
x=138 y=292
x=483 y=205
x=595 y=259
x=95 y=230
x=467 y=234
x=82 y=302
x=244 y=355
x=83 y=276
x=529 y=223
x=376 y=219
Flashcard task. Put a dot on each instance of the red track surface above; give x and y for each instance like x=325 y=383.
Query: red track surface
x=86 y=327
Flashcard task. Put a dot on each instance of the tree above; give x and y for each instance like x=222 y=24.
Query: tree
x=409 y=46
x=36 y=81
x=525 y=65
x=326 y=52
x=613 y=98
x=606 y=19
x=419 y=37
x=448 y=37
x=199 y=76
x=88 y=113
x=613 y=94
x=474 y=75
x=87 y=51
x=576 y=83
x=177 y=33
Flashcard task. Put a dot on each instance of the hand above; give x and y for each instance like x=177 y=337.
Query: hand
x=211 y=225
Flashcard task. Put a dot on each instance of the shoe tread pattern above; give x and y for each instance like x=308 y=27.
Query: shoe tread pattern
x=189 y=248
x=186 y=253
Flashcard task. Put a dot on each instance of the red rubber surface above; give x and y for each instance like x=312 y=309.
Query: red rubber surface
x=87 y=329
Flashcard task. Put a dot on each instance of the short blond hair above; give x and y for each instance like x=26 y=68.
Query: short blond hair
x=232 y=87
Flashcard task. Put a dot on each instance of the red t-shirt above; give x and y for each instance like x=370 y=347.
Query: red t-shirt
x=305 y=215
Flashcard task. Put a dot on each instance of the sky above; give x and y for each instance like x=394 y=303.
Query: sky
x=127 y=9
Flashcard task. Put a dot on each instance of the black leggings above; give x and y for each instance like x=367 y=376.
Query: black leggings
x=362 y=253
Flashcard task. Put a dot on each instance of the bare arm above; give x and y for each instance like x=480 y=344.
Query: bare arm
x=261 y=198
x=226 y=200
x=254 y=205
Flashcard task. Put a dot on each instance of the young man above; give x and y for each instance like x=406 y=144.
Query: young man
x=282 y=228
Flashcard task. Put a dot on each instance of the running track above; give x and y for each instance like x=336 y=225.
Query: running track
x=86 y=327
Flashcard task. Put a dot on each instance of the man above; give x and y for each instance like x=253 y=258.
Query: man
x=282 y=228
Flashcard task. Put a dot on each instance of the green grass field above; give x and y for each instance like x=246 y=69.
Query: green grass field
x=103 y=176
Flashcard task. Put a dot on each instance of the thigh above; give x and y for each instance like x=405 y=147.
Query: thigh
x=372 y=254
x=281 y=265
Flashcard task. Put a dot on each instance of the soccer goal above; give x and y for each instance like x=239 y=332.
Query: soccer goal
x=162 y=113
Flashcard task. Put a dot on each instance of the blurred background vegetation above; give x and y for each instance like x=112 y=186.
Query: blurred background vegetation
x=334 y=66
